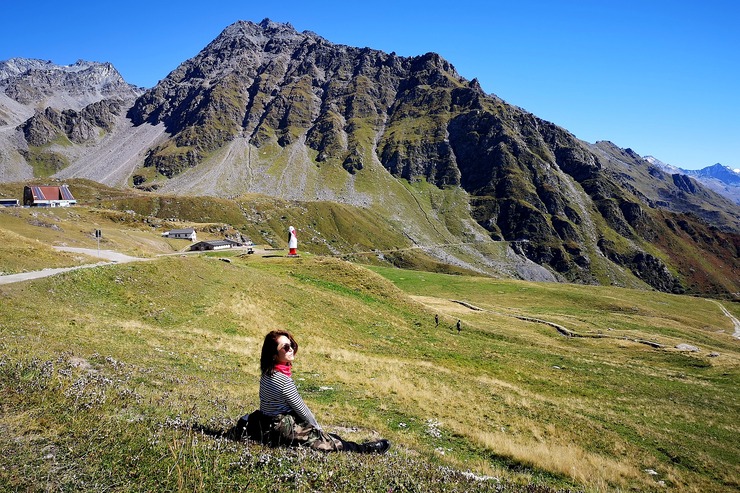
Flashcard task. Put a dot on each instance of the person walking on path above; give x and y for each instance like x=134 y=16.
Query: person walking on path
x=283 y=418
x=436 y=320
x=459 y=327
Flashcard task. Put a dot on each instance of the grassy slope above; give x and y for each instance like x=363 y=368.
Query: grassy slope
x=19 y=254
x=29 y=233
x=173 y=346
x=104 y=386
x=132 y=222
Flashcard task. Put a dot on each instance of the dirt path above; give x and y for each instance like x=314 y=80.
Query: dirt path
x=26 y=276
x=735 y=321
x=109 y=255
x=106 y=254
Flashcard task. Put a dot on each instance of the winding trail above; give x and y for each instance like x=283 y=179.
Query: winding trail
x=569 y=333
x=559 y=328
x=734 y=320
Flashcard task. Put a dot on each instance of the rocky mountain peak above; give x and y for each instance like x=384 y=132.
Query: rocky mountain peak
x=276 y=28
x=718 y=177
x=17 y=66
x=42 y=83
x=259 y=33
x=719 y=172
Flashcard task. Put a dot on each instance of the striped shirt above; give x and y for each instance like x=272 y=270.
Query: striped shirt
x=279 y=395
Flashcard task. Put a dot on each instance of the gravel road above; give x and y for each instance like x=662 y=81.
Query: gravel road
x=109 y=255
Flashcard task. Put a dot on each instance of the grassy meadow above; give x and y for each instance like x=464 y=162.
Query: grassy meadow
x=122 y=377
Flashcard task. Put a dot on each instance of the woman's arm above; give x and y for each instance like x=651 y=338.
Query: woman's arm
x=294 y=400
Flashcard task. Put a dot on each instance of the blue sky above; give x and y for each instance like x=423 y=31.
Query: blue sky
x=660 y=77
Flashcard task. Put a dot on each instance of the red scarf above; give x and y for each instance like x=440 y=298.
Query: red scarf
x=284 y=369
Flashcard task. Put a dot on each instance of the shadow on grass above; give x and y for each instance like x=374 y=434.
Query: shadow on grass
x=234 y=433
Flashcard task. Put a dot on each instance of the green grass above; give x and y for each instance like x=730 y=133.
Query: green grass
x=45 y=162
x=20 y=254
x=128 y=372
x=119 y=377
x=123 y=367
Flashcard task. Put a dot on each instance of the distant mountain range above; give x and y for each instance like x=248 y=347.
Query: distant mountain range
x=477 y=182
x=722 y=179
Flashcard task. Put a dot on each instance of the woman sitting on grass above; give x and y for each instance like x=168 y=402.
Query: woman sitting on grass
x=283 y=417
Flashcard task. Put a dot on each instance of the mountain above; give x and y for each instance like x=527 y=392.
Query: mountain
x=469 y=178
x=668 y=168
x=718 y=172
x=41 y=84
x=42 y=103
x=721 y=179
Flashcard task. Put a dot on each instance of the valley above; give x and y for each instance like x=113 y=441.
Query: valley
x=138 y=366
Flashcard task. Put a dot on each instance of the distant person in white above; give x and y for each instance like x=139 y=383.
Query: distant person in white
x=292 y=241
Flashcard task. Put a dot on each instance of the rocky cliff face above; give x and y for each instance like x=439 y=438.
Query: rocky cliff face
x=78 y=126
x=43 y=84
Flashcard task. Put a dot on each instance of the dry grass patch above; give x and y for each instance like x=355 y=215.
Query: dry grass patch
x=567 y=459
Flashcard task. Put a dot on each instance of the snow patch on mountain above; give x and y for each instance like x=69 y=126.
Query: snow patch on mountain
x=668 y=168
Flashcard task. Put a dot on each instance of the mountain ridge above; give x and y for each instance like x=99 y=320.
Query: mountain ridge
x=717 y=177
x=265 y=109
x=37 y=82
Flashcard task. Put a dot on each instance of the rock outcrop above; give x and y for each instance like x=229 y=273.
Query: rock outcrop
x=78 y=126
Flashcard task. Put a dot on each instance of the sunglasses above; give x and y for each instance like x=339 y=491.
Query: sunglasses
x=286 y=347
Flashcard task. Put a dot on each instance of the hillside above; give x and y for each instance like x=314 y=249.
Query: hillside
x=476 y=182
x=127 y=376
x=345 y=231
